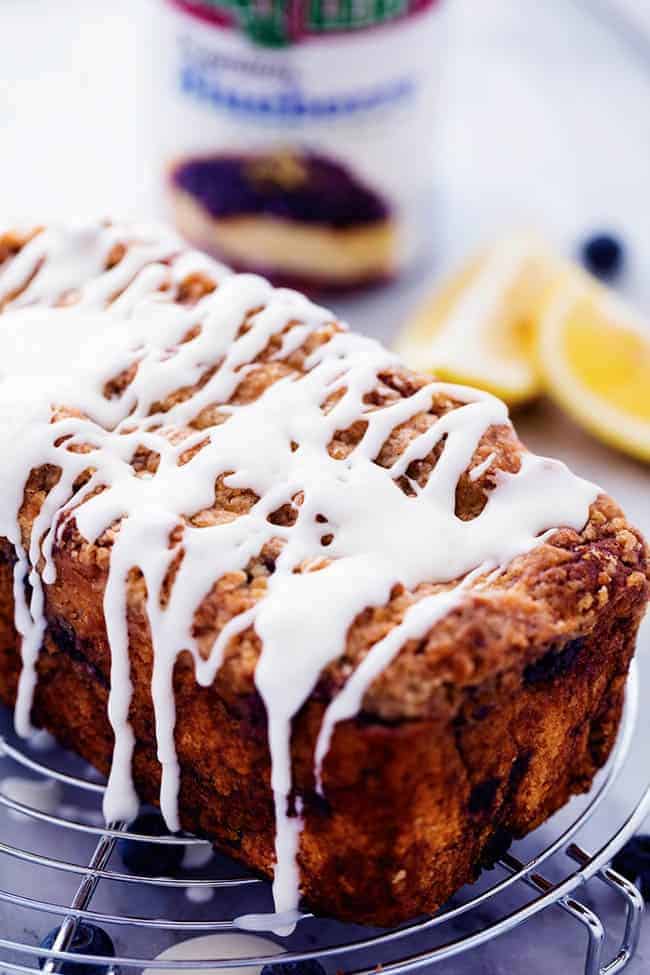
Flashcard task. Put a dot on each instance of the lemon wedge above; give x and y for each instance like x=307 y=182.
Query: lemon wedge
x=594 y=353
x=479 y=328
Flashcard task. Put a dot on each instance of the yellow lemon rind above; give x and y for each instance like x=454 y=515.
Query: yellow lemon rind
x=604 y=421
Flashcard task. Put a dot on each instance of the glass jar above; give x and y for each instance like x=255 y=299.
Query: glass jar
x=295 y=136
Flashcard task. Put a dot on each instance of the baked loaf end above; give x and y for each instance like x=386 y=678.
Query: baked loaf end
x=474 y=732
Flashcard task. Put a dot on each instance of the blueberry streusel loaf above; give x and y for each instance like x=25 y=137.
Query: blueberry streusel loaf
x=326 y=612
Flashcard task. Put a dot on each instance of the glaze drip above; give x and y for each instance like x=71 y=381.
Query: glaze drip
x=355 y=532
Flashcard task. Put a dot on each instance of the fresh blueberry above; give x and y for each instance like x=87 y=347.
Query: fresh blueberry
x=603 y=255
x=633 y=862
x=87 y=940
x=308 y=967
x=150 y=859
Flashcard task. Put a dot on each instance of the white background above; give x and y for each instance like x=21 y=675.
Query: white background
x=545 y=121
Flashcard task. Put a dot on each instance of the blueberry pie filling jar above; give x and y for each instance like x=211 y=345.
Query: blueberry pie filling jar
x=296 y=138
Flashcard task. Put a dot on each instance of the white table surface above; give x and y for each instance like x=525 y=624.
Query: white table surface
x=546 y=122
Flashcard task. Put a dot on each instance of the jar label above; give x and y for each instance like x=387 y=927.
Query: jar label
x=349 y=106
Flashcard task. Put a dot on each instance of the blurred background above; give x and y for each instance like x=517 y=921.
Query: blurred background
x=543 y=117
x=540 y=120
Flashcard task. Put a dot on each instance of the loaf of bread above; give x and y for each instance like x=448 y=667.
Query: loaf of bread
x=328 y=613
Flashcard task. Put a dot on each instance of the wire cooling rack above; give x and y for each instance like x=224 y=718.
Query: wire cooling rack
x=59 y=865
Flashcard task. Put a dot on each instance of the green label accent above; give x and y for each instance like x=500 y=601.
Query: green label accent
x=277 y=23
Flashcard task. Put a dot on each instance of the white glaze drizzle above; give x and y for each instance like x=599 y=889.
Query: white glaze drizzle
x=477 y=472
x=199 y=895
x=197 y=856
x=44 y=795
x=277 y=923
x=80 y=814
x=275 y=446
x=42 y=741
x=212 y=946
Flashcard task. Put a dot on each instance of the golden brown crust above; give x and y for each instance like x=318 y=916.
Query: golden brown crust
x=489 y=723
x=412 y=808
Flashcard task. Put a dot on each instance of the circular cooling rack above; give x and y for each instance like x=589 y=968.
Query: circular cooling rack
x=59 y=864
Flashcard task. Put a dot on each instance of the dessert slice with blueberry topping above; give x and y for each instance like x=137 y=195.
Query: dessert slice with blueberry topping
x=300 y=219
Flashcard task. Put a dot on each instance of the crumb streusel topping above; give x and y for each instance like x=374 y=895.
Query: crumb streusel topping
x=198 y=430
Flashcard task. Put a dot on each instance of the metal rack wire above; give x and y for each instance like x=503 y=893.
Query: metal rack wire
x=507 y=897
